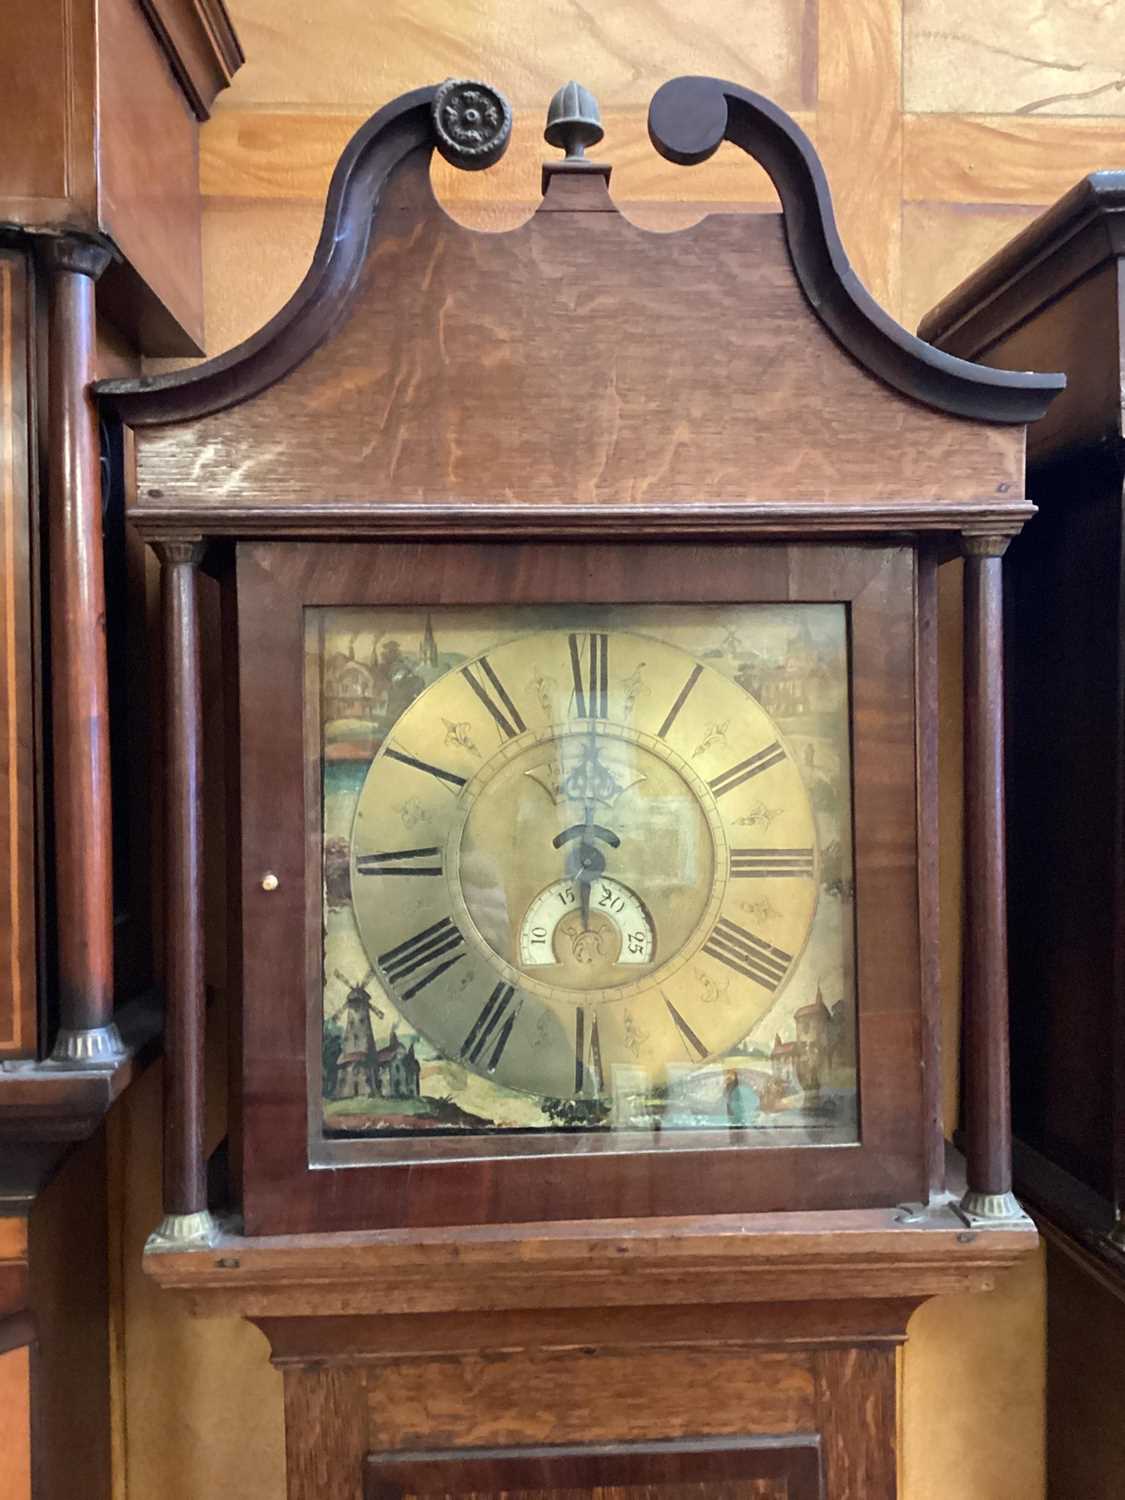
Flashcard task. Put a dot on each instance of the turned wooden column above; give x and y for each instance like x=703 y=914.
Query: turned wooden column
x=987 y=1105
x=186 y=1218
x=83 y=853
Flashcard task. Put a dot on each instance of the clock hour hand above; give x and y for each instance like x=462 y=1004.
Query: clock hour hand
x=581 y=831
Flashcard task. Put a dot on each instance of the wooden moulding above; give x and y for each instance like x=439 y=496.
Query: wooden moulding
x=199 y=40
x=41 y=1103
x=100 y=113
x=863 y=1254
x=1052 y=294
x=688 y=119
x=733 y=377
x=1077 y=234
x=19 y=708
x=777 y=1468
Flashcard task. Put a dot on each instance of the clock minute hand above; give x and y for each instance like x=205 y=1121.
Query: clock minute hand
x=584 y=860
x=591 y=864
x=588 y=855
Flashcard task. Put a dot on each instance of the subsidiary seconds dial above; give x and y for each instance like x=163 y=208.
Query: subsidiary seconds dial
x=592 y=811
x=616 y=929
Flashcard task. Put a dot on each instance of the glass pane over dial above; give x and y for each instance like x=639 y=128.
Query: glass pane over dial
x=583 y=857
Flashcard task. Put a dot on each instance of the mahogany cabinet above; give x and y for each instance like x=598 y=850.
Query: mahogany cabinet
x=100 y=221
x=100 y=104
x=19 y=1015
x=1054 y=295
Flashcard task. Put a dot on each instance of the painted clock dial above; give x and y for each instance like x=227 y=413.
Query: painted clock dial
x=588 y=804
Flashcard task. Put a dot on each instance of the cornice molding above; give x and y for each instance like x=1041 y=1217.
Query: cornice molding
x=201 y=45
x=1075 y=236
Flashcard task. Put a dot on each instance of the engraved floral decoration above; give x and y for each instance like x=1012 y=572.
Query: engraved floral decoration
x=634 y=689
x=545 y=689
x=712 y=990
x=460 y=734
x=761 y=908
x=716 y=734
x=412 y=812
x=635 y=1038
x=472 y=121
x=759 y=816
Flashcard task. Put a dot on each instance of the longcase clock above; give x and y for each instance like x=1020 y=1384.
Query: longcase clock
x=579 y=590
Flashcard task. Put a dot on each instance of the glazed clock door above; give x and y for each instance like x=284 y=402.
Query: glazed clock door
x=580 y=872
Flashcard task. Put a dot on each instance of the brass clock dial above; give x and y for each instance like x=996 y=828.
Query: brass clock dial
x=591 y=805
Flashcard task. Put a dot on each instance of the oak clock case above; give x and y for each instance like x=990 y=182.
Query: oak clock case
x=580 y=647
x=586 y=870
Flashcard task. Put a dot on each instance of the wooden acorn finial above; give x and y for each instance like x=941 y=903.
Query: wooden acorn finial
x=573 y=121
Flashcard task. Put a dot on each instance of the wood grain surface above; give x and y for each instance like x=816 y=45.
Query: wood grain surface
x=185 y=1166
x=148 y=178
x=1058 y=287
x=987 y=1108
x=971 y=1411
x=915 y=106
x=865 y=1254
x=860 y=131
x=82 y=851
x=19 y=647
x=856 y=1404
x=809 y=1405
x=461 y=367
x=763 y=1468
x=101 y=139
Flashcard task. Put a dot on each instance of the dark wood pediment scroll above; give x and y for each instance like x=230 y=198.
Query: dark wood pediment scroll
x=688 y=120
x=565 y=374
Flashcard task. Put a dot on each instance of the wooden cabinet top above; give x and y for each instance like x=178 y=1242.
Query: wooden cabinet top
x=100 y=106
x=580 y=366
x=1053 y=294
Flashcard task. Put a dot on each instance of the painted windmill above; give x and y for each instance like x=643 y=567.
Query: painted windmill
x=355 y=1067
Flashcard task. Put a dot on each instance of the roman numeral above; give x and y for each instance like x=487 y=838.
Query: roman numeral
x=591 y=695
x=510 y=722
x=426 y=947
x=486 y=1024
x=398 y=862
x=747 y=955
x=754 y=765
x=689 y=1038
x=424 y=765
x=693 y=678
x=764 y=863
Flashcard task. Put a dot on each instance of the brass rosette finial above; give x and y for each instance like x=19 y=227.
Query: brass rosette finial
x=472 y=123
